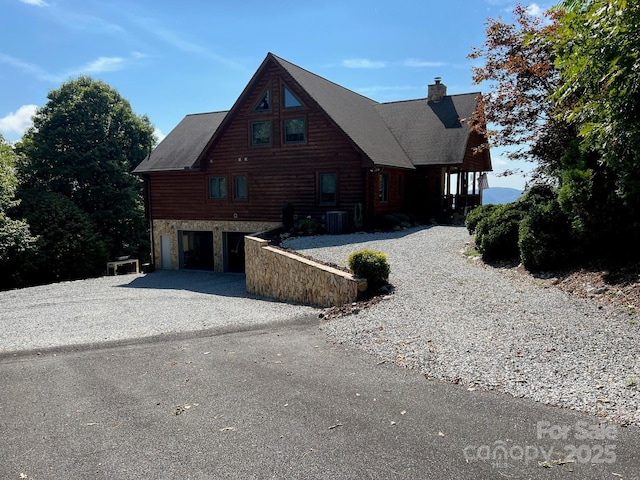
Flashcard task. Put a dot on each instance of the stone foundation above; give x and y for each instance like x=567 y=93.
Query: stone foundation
x=172 y=227
x=272 y=272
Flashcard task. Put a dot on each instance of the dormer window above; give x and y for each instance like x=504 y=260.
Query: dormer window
x=264 y=104
x=290 y=100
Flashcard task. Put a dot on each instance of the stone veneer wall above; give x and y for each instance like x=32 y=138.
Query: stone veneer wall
x=272 y=272
x=171 y=228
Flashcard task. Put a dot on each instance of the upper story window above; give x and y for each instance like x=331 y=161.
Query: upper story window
x=294 y=130
x=218 y=187
x=290 y=100
x=261 y=133
x=264 y=104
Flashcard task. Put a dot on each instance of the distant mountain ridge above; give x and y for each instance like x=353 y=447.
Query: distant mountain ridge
x=498 y=195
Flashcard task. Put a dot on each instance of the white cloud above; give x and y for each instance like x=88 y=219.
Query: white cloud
x=535 y=10
x=100 y=65
x=18 y=122
x=363 y=63
x=412 y=62
x=104 y=64
x=36 y=3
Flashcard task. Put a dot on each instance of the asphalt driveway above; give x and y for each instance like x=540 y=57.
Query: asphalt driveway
x=279 y=402
x=182 y=375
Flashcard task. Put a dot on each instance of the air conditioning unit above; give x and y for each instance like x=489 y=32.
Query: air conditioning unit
x=337 y=222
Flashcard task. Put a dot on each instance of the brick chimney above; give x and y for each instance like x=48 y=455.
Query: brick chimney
x=437 y=91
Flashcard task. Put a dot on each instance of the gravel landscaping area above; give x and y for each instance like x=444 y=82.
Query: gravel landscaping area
x=496 y=329
x=120 y=308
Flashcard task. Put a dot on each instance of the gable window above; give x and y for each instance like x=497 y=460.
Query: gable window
x=264 y=104
x=290 y=100
x=328 y=188
x=240 y=187
x=261 y=133
x=294 y=130
x=383 y=187
x=218 y=187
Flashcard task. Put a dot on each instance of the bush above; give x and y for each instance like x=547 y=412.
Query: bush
x=477 y=214
x=497 y=233
x=545 y=237
x=370 y=265
x=308 y=226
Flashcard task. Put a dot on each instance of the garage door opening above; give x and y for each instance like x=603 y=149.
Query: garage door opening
x=196 y=250
x=234 y=252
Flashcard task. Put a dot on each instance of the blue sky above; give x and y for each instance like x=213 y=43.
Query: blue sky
x=171 y=58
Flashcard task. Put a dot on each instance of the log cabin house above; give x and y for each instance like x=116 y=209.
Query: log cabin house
x=295 y=137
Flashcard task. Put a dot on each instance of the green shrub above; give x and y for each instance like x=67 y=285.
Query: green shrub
x=497 y=233
x=545 y=237
x=308 y=226
x=477 y=214
x=370 y=265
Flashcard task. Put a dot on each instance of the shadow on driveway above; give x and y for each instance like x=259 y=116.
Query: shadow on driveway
x=198 y=281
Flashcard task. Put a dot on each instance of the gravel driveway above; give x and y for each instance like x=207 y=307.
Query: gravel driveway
x=126 y=307
x=489 y=329
x=449 y=318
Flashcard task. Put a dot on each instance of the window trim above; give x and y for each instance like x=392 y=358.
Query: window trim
x=284 y=131
x=252 y=124
x=226 y=191
x=319 y=190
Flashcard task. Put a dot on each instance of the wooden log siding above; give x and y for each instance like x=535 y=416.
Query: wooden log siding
x=276 y=174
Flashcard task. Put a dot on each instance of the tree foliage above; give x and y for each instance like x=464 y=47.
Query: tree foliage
x=83 y=145
x=17 y=243
x=598 y=55
x=519 y=66
x=566 y=92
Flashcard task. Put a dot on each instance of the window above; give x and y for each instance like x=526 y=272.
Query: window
x=218 y=187
x=400 y=184
x=383 y=186
x=264 y=104
x=290 y=100
x=240 y=187
x=261 y=133
x=328 y=188
x=294 y=130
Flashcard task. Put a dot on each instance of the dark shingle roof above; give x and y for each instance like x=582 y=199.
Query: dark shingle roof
x=355 y=114
x=398 y=134
x=431 y=133
x=182 y=148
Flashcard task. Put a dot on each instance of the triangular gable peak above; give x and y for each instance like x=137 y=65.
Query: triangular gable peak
x=350 y=112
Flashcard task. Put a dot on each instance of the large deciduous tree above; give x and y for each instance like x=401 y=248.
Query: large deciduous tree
x=83 y=145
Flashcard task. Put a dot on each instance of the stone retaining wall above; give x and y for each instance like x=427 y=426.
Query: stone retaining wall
x=272 y=272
